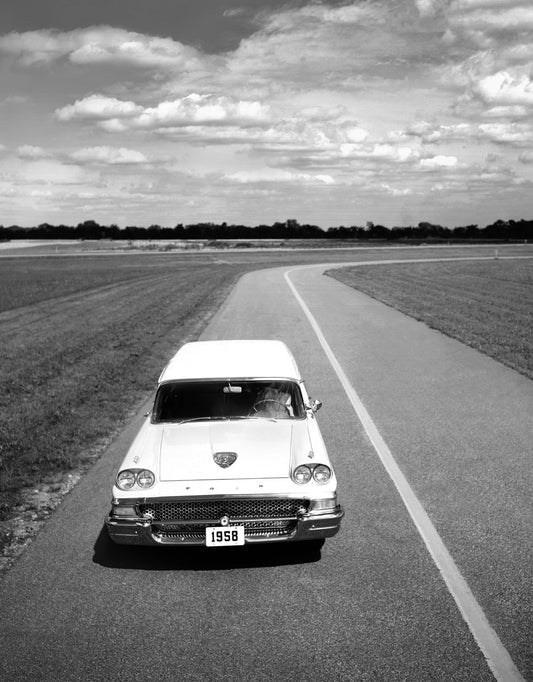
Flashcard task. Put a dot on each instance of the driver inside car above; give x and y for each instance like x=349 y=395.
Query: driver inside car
x=273 y=403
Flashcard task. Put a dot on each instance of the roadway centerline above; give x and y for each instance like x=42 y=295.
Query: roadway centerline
x=496 y=655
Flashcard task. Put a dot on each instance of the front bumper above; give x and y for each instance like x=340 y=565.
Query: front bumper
x=141 y=531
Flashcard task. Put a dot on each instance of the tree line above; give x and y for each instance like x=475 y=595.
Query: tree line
x=290 y=229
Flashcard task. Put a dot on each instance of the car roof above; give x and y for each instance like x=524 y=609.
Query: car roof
x=231 y=360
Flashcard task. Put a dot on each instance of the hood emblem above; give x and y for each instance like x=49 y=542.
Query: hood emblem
x=224 y=459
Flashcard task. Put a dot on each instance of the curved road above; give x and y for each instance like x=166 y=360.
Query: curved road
x=378 y=603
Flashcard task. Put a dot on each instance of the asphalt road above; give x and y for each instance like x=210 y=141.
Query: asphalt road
x=374 y=605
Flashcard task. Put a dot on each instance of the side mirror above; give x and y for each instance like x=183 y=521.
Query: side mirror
x=315 y=405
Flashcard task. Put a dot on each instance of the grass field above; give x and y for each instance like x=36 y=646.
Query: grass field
x=85 y=344
x=486 y=305
x=84 y=338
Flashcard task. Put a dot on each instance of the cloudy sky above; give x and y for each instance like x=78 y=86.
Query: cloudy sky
x=142 y=112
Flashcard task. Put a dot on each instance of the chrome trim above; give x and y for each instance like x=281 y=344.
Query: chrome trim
x=306 y=526
x=236 y=508
x=133 y=501
x=233 y=521
x=230 y=379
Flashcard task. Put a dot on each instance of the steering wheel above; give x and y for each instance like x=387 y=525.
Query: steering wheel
x=257 y=409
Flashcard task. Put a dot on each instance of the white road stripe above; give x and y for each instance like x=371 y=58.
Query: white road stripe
x=497 y=656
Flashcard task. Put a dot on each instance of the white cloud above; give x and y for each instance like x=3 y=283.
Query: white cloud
x=313 y=15
x=32 y=46
x=288 y=136
x=395 y=191
x=108 y=156
x=295 y=134
x=28 y=151
x=426 y=131
x=470 y=5
x=235 y=12
x=341 y=47
x=526 y=157
x=52 y=172
x=494 y=37
x=438 y=134
x=326 y=179
x=507 y=112
x=347 y=14
x=100 y=44
x=510 y=133
x=279 y=176
x=322 y=94
x=221 y=120
x=428 y=8
x=379 y=152
x=356 y=134
x=198 y=109
x=13 y=100
x=502 y=89
x=98 y=107
x=501 y=132
x=193 y=110
x=520 y=53
x=439 y=161
x=40 y=193
x=486 y=24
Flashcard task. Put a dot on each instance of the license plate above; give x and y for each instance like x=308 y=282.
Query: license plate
x=224 y=536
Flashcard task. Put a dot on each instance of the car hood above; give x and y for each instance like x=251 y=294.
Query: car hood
x=263 y=449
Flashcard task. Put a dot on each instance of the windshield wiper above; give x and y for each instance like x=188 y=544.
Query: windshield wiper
x=257 y=416
x=200 y=419
x=221 y=418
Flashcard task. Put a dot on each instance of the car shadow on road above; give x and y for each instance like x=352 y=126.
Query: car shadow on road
x=111 y=555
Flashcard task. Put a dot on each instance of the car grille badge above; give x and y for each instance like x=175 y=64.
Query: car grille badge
x=224 y=459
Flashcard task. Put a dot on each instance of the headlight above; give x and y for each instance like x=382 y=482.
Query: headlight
x=145 y=478
x=129 y=478
x=321 y=473
x=126 y=480
x=302 y=474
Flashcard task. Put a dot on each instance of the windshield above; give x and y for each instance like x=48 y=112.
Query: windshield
x=194 y=400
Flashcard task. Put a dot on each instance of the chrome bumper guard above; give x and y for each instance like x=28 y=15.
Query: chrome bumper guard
x=142 y=531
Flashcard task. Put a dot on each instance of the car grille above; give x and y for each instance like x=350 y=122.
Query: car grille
x=213 y=510
x=257 y=529
x=186 y=520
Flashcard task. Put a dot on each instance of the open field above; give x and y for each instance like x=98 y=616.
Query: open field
x=231 y=247
x=486 y=305
x=84 y=338
x=85 y=345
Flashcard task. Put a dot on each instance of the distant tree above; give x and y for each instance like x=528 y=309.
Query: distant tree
x=291 y=228
x=112 y=232
x=89 y=229
x=379 y=232
x=154 y=232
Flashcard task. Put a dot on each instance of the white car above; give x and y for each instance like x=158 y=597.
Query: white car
x=231 y=454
